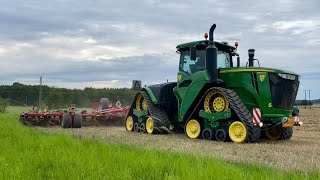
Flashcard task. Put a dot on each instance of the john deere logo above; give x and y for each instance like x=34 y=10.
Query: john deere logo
x=262 y=77
x=294 y=87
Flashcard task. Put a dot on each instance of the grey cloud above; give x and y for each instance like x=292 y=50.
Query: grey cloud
x=153 y=28
x=146 y=68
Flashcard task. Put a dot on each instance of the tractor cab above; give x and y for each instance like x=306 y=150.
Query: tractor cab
x=191 y=65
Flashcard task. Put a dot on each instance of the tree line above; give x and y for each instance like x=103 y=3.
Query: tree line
x=304 y=102
x=19 y=94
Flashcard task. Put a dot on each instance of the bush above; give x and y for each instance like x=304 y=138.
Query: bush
x=4 y=103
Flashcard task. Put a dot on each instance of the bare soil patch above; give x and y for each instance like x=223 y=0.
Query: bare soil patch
x=300 y=153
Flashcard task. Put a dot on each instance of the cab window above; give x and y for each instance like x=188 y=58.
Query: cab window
x=193 y=66
x=223 y=60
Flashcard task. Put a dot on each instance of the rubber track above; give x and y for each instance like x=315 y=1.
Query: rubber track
x=158 y=115
x=244 y=115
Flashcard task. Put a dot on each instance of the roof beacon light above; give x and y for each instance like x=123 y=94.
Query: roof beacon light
x=205 y=35
x=236 y=44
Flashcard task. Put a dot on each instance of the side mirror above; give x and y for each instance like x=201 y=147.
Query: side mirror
x=193 y=53
x=238 y=61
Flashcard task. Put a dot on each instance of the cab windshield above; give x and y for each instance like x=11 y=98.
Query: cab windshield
x=191 y=66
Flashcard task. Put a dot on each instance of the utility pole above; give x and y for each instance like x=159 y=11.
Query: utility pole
x=305 y=99
x=40 y=93
x=309 y=99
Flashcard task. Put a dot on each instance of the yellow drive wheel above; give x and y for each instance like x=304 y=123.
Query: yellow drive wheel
x=144 y=104
x=193 y=129
x=129 y=123
x=149 y=125
x=215 y=102
x=238 y=132
x=141 y=103
x=274 y=133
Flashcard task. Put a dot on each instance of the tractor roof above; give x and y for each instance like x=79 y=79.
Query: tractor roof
x=205 y=42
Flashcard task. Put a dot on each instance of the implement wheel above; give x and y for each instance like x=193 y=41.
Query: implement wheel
x=77 y=121
x=274 y=133
x=193 y=129
x=215 y=102
x=66 y=120
x=141 y=103
x=129 y=123
x=237 y=132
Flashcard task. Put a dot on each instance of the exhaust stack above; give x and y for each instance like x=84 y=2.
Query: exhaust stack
x=251 y=57
x=211 y=57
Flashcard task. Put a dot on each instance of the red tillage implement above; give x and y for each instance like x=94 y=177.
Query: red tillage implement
x=73 y=119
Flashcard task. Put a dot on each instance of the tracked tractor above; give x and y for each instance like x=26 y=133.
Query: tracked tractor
x=215 y=99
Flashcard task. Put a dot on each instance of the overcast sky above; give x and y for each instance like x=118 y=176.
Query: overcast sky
x=107 y=43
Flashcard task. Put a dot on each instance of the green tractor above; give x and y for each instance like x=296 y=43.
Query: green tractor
x=215 y=100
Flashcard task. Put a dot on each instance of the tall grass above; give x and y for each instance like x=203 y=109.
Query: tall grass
x=26 y=153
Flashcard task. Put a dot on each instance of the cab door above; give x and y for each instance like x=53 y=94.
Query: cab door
x=191 y=79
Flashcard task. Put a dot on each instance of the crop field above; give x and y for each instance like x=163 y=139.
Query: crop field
x=301 y=152
x=114 y=153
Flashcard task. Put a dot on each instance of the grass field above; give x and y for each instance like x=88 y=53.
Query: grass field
x=27 y=153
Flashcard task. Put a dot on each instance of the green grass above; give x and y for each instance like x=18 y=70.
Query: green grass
x=17 y=109
x=26 y=153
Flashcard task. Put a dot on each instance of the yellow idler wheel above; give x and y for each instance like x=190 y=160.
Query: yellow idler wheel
x=274 y=133
x=238 y=132
x=141 y=103
x=129 y=123
x=149 y=125
x=193 y=129
x=215 y=102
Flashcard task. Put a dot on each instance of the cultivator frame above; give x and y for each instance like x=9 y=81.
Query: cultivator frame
x=72 y=119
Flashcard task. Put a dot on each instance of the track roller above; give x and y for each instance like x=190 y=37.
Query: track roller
x=129 y=123
x=237 y=132
x=142 y=128
x=149 y=125
x=207 y=134
x=136 y=127
x=221 y=135
x=193 y=129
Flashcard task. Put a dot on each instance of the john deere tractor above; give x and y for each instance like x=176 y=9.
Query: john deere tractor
x=215 y=99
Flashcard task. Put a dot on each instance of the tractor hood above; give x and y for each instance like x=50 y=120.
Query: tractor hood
x=255 y=69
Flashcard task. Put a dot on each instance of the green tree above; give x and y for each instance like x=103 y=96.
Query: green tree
x=4 y=103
